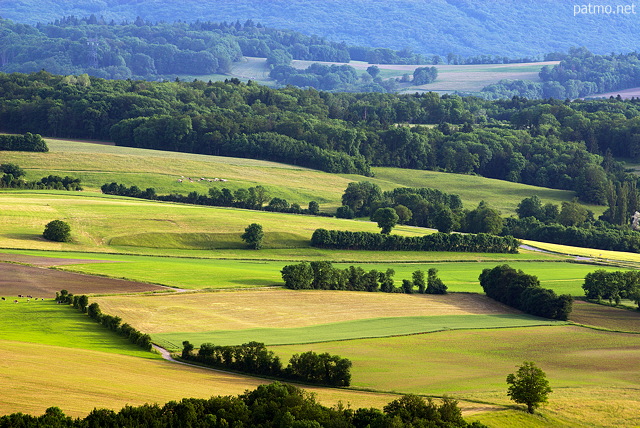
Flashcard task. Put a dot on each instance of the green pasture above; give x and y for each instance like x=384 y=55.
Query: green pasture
x=97 y=220
x=227 y=268
x=502 y=195
x=47 y=323
x=350 y=330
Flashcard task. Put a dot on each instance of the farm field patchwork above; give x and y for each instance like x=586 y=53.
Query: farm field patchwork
x=472 y=365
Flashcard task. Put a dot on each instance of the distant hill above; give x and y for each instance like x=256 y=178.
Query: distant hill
x=462 y=27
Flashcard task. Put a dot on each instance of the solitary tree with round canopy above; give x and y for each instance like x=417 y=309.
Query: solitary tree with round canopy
x=57 y=230
x=253 y=236
x=529 y=385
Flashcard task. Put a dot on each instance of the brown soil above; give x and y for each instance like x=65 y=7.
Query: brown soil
x=44 y=261
x=38 y=282
x=605 y=316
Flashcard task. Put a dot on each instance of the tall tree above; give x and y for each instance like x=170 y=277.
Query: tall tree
x=386 y=219
x=253 y=236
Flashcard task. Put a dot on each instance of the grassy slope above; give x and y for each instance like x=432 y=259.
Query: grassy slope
x=98 y=164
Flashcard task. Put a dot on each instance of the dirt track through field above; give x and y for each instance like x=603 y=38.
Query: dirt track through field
x=39 y=282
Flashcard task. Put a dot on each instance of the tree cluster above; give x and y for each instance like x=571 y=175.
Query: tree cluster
x=12 y=179
x=250 y=198
x=113 y=323
x=572 y=224
x=470 y=243
x=23 y=143
x=521 y=291
x=323 y=276
x=271 y=405
x=254 y=358
x=612 y=286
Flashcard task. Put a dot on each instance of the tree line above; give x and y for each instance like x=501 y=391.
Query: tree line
x=522 y=291
x=12 y=179
x=612 y=286
x=113 y=323
x=249 y=198
x=255 y=358
x=23 y=143
x=275 y=404
x=572 y=225
x=478 y=243
x=321 y=275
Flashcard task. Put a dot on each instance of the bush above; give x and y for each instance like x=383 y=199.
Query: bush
x=57 y=230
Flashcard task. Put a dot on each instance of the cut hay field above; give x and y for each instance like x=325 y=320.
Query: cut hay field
x=97 y=164
x=591 y=372
x=284 y=316
x=37 y=376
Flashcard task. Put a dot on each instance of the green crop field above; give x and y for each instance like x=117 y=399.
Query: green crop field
x=48 y=323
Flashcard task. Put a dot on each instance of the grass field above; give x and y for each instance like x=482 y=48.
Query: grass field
x=48 y=323
x=97 y=164
x=351 y=330
x=472 y=365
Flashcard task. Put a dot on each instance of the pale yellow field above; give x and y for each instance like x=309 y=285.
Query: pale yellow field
x=34 y=377
x=275 y=308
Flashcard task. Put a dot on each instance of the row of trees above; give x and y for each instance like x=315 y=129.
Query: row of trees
x=12 y=179
x=479 y=243
x=113 y=323
x=250 y=198
x=322 y=275
x=612 y=286
x=275 y=404
x=255 y=358
x=522 y=291
x=23 y=143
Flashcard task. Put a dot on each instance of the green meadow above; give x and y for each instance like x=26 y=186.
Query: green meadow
x=47 y=323
x=351 y=330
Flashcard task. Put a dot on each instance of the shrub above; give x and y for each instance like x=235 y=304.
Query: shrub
x=57 y=230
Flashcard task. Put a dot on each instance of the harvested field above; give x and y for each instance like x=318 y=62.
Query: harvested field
x=28 y=280
x=603 y=316
x=624 y=93
x=281 y=308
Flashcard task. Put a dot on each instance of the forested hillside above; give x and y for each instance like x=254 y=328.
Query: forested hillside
x=511 y=28
x=544 y=143
x=579 y=74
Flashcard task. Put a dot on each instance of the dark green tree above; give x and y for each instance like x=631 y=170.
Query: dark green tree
x=435 y=284
x=57 y=230
x=386 y=219
x=253 y=236
x=529 y=386
x=314 y=207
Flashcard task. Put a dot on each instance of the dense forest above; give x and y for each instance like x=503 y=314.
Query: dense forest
x=549 y=143
x=510 y=28
x=151 y=51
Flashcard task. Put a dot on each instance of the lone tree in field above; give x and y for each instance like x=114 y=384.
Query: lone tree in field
x=253 y=236
x=57 y=230
x=386 y=218
x=529 y=385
